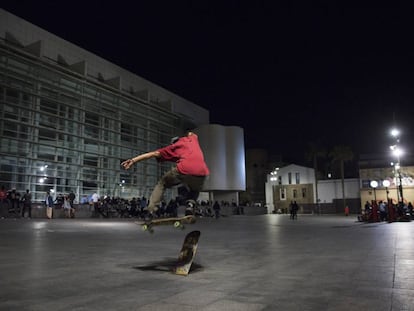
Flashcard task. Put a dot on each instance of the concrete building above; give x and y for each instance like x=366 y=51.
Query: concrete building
x=297 y=183
x=380 y=168
x=383 y=193
x=68 y=117
x=289 y=183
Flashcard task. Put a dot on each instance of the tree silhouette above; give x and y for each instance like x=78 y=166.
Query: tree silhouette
x=341 y=154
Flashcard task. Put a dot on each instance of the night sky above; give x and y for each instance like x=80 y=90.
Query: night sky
x=289 y=72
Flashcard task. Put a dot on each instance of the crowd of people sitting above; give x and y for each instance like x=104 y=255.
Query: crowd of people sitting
x=108 y=207
x=13 y=204
x=381 y=211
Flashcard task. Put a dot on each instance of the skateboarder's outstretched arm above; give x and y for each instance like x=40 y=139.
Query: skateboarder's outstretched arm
x=145 y=156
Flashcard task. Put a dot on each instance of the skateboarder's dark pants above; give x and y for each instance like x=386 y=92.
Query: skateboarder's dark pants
x=174 y=178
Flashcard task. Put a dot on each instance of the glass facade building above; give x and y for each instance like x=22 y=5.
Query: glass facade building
x=62 y=131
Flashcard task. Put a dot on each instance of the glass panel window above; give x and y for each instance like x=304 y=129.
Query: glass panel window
x=297 y=176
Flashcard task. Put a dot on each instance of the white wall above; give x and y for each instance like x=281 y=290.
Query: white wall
x=331 y=189
x=223 y=148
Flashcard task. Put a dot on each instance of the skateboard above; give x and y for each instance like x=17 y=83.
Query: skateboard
x=187 y=254
x=177 y=222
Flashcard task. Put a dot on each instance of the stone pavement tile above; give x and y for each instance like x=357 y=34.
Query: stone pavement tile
x=357 y=303
x=252 y=298
x=294 y=304
x=381 y=280
x=317 y=263
x=402 y=300
x=95 y=301
x=404 y=271
x=226 y=285
x=404 y=283
x=231 y=305
x=196 y=297
x=160 y=306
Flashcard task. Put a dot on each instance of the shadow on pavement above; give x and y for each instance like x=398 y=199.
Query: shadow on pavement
x=167 y=265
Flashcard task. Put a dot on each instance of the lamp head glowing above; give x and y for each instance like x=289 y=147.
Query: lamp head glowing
x=395 y=132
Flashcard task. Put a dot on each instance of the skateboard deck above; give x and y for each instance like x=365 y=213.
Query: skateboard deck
x=187 y=254
x=177 y=222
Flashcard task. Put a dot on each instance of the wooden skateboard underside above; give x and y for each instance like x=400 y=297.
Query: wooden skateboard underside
x=187 y=254
x=177 y=222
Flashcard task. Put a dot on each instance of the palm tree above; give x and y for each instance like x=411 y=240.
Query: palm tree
x=314 y=152
x=341 y=154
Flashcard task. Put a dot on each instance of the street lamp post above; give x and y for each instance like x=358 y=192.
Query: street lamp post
x=397 y=152
x=374 y=185
x=386 y=183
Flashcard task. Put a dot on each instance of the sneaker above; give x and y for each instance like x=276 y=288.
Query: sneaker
x=151 y=210
x=148 y=217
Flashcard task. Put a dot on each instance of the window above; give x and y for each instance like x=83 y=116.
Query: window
x=295 y=193
x=280 y=180
x=282 y=193
x=290 y=178
x=297 y=176
x=303 y=192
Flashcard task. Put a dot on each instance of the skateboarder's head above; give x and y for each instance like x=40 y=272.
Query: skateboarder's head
x=188 y=132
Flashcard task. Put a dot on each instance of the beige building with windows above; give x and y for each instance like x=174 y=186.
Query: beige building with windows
x=392 y=192
x=297 y=183
x=289 y=183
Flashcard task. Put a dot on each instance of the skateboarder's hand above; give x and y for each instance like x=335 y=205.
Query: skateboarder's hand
x=127 y=163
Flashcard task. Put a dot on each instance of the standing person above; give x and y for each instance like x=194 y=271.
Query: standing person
x=143 y=204
x=291 y=209
x=95 y=202
x=66 y=206
x=27 y=203
x=410 y=209
x=190 y=170
x=15 y=202
x=383 y=210
x=347 y=210
x=4 y=203
x=72 y=197
x=216 y=208
x=294 y=207
x=49 y=205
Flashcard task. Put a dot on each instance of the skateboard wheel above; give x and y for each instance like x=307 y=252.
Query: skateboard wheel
x=145 y=227
x=177 y=224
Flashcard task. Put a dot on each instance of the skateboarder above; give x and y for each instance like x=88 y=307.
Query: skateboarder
x=190 y=170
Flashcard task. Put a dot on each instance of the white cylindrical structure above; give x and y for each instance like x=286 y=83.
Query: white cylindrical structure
x=223 y=148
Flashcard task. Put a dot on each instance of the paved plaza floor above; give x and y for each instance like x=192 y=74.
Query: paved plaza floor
x=266 y=262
